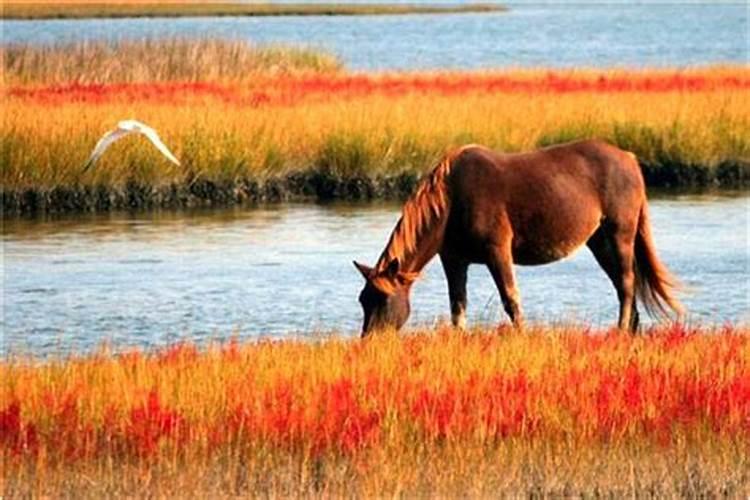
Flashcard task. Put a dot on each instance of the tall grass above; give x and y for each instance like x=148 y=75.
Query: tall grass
x=547 y=411
x=184 y=60
x=344 y=126
x=83 y=9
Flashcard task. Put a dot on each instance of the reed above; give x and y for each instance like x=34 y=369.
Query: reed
x=346 y=127
x=183 y=60
x=564 y=411
x=82 y=9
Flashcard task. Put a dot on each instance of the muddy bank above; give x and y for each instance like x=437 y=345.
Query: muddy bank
x=297 y=187
x=728 y=175
x=308 y=186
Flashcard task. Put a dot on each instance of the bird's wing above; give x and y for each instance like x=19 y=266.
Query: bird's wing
x=124 y=128
x=105 y=142
x=144 y=129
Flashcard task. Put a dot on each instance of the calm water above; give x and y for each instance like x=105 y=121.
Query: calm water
x=527 y=35
x=148 y=279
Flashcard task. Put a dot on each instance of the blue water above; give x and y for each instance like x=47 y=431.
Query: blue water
x=527 y=35
x=148 y=279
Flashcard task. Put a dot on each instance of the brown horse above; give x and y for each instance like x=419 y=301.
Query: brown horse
x=480 y=206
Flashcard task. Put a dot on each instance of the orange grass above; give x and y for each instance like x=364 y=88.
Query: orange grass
x=546 y=410
x=367 y=125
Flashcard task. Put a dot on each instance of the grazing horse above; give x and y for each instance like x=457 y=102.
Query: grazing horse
x=481 y=206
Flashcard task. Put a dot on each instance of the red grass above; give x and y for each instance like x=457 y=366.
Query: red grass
x=17 y=436
x=589 y=393
x=290 y=90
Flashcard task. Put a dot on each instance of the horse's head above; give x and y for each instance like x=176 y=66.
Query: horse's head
x=385 y=297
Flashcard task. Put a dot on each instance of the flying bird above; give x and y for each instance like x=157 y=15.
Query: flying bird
x=127 y=127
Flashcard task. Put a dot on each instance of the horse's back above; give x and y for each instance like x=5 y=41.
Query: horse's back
x=551 y=200
x=588 y=159
x=584 y=169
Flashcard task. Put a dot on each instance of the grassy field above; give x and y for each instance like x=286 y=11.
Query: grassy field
x=78 y=10
x=562 y=411
x=295 y=124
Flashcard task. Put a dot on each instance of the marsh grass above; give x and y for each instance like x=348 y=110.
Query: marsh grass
x=329 y=135
x=78 y=10
x=44 y=146
x=549 y=411
x=162 y=60
x=506 y=469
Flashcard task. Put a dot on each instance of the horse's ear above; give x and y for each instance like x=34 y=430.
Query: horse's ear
x=392 y=270
x=366 y=271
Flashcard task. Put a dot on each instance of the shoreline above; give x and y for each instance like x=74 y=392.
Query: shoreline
x=310 y=186
x=52 y=11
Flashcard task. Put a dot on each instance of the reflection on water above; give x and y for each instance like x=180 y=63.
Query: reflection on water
x=151 y=278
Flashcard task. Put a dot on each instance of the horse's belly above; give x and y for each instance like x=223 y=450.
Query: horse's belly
x=550 y=242
x=544 y=253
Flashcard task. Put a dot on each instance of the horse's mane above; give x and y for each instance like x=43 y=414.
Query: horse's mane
x=428 y=204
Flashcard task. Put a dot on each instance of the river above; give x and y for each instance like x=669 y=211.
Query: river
x=147 y=279
x=528 y=35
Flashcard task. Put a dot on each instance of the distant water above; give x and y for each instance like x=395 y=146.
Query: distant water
x=146 y=279
x=528 y=35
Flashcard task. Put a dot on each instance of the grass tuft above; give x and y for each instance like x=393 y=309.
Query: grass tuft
x=164 y=60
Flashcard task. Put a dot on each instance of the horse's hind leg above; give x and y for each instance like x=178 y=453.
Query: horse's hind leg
x=613 y=250
x=500 y=263
x=455 y=272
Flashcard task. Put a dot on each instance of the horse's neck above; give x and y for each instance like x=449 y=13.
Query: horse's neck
x=417 y=237
x=412 y=259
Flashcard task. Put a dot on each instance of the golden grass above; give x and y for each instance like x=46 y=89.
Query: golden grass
x=559 y=411
x=82 y=9
x=366 y=126
x=238 y=115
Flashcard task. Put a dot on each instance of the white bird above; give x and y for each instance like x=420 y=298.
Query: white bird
x=127 y=127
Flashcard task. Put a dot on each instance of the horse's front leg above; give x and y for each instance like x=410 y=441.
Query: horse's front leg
x=500 y=263
x=455 y=272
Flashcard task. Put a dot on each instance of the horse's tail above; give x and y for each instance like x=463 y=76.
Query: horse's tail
x=654 y=284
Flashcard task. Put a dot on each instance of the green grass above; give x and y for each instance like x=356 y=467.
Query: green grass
x=103 y=10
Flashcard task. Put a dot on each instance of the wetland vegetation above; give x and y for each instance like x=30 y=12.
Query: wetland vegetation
x=562 y=411
x=255 y=123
